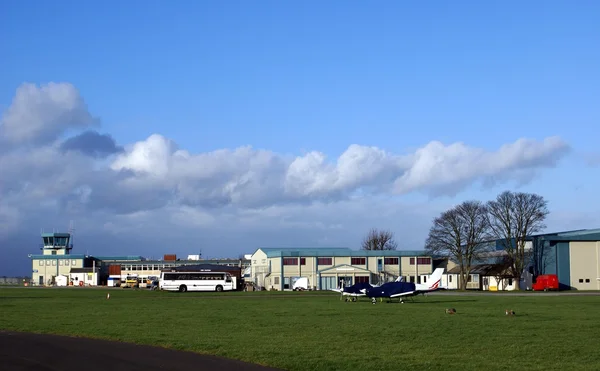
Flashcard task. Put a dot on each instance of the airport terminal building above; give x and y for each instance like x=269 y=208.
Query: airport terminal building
x=57 y=266
x=327 y=268
x=574 y=256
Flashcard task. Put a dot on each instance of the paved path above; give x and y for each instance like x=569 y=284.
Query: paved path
x=33 y=352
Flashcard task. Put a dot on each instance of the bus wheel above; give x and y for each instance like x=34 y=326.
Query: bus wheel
x=219 y=288
x=182 y=288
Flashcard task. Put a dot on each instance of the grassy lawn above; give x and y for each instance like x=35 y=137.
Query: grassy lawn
x=304 y=331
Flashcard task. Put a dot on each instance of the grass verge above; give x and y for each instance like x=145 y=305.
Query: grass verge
x=303 y=331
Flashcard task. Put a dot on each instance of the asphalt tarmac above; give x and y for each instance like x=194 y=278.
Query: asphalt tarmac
x=34 y=352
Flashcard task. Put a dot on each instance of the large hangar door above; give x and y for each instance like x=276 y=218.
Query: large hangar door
x=328 y=283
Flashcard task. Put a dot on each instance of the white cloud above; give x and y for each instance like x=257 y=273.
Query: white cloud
x=153 y=192
x=41 y=114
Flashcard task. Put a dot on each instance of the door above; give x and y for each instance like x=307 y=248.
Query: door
x=41 y=281
x=344 y=281
x=328 y=283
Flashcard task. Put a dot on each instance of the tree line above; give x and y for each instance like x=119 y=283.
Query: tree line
x=468 y=229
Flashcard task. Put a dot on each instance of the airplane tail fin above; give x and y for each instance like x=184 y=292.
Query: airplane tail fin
x=436 y=278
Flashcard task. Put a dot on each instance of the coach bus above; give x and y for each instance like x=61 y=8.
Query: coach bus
x=196 y=281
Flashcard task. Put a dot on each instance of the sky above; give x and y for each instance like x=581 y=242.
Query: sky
x=157 y=127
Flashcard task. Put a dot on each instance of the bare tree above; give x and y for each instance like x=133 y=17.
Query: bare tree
x=499 y=271
x=461 y=233
x=379 y=240
x=512 y=217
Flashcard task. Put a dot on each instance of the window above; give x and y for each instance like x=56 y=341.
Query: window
x=290 y=261
x=449 y=278
x=424 y=279
x=54 y=262
x=302 y=261
x=361 y=280
x=324 y=261
x=391 y=260
x=277 y=280
x=73 y=262
x=420 y=261
x=41 y=263
x=581 y=280
x=358 y=261
x=67 y=262
x=53 y=252
x=510 y=282
x=587 y=280
x=47 y=262
x=423 y=261
x=61 y=262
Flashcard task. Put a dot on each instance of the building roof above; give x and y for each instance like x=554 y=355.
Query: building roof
x=202 y=267
x=183 y=262
x=573 y=235
x=344 y=268
x=120 y=258
x=336 y=251
x=56 y=235
x=485 y=270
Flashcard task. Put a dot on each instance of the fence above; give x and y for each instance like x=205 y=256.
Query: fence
x=13 y=281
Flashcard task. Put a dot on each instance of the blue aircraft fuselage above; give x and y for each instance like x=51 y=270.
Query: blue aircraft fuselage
x=391 y=288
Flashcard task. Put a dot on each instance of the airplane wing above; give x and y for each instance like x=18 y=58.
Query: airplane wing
x=407 y=293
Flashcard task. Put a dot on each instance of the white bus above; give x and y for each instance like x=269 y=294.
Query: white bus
x=195 y=281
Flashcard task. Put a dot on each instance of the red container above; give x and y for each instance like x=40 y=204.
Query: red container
x=546 y=282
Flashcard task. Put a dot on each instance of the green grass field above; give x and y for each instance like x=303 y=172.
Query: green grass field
x=303 y=331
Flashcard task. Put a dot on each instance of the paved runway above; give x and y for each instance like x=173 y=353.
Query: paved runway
x=33 y=352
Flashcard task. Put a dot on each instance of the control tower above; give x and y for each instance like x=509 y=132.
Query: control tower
x=56 y=244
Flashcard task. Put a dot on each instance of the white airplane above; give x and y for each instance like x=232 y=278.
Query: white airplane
x=405 y=289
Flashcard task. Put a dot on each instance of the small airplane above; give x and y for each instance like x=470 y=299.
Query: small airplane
x=358 y=289
x=401 y=290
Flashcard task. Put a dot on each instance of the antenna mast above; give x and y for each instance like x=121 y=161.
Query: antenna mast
x=71 y=231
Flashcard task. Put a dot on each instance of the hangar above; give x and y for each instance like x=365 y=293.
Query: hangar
x=572 y=255
x=327 y=268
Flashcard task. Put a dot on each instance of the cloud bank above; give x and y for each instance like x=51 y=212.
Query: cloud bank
x=57 y=165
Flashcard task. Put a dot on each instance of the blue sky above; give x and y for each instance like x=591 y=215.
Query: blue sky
x=321 y=76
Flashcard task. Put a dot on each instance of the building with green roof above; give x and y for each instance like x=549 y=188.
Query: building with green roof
x=330 y=267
